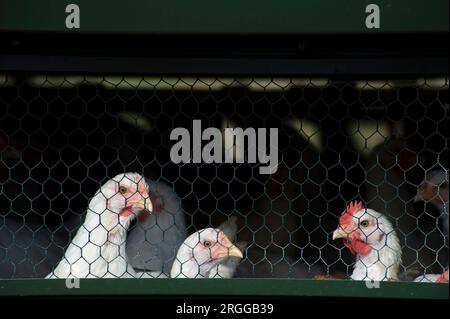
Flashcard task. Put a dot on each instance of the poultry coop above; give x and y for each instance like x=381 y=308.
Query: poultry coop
x=357 y=116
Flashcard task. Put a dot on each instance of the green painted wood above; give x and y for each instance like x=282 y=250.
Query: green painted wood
x=255 y=287
x=231 y=16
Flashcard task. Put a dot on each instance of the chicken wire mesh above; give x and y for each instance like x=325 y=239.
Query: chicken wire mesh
x=379 y=140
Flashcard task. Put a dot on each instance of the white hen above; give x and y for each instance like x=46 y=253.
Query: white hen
x=98 y=249
x=370 y=236
x=200 y=253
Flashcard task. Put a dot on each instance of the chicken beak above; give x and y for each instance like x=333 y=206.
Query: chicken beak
x=144 y=204
x=227 y=249
x=232 y=251
x=340 y=233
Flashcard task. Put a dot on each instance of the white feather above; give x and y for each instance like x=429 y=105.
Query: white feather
x=383 y=261
x=99 y=247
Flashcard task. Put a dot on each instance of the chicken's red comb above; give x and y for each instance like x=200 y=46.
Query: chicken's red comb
x=354 y=206
x=351 y=209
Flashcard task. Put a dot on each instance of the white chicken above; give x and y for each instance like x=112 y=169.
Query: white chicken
x=199 y=254
x=98 y=249
x=370 y=236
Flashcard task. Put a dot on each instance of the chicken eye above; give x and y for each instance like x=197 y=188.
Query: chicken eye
x=207 y=243
x=364 y=223
x=123 y=190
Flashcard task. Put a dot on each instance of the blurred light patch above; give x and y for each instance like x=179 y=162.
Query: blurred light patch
x=366 y=135
x=432 y=83
x=283 y=84
x=135 y=119
x=7 y=80
x=311 y=82
x=309 y=130
x=269 y=84
x=210 y=84
x=374 y=85
x=56 y=81
x=174 y=83
x=158 y=83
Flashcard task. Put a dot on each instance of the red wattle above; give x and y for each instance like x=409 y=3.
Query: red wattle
x=357 y=247
x=143 y=216
x=127 y=211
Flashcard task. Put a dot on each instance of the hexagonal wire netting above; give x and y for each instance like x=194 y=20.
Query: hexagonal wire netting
x=62 y=137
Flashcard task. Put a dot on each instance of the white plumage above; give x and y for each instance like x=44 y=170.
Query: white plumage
x=98 y=249
x=371 y=237
x=384 y=260
x=202 y=252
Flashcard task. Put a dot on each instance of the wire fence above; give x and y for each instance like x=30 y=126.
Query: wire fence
x=381 y=141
